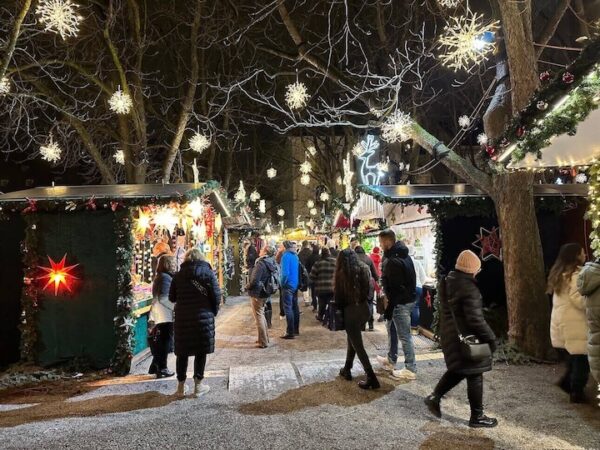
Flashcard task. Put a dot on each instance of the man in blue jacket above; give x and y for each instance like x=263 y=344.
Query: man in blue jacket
x=290 y=274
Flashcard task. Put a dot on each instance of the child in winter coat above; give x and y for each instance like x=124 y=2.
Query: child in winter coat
x=588 y=284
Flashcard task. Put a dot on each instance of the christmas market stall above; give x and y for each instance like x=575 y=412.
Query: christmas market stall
x=89 y=254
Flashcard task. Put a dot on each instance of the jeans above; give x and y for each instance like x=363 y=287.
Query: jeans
x=162 y=346
x=292 y=312
x=355 y=317
x=577 y=374
x=415 y=314
x=258 y=311
x=324 y=300
x=199 y=365
x=474 y=389
x=399 y=327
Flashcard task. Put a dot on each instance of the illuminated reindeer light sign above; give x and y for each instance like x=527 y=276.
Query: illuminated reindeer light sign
x=366 y=151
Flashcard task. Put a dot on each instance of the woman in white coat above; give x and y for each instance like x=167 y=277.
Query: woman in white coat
x=568 y=326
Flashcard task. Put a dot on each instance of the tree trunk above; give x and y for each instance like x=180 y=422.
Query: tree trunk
x=527 y=303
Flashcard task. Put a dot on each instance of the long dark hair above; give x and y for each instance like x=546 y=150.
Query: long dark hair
x=565 y=265
x=351 y=280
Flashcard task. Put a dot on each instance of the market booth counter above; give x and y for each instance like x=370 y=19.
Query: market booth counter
x=87 y=259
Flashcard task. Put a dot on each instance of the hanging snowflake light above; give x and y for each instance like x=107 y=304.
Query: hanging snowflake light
x=383 y=166
x=254 y=196
x=262 y=207
x=296 y=95
x=376 y=112
x=119 y=157
x=281 y=212
x=271 y=172
x=59 y=16
x=581 y=178
x=199 y=142
x=348 y=176
x=305 y=179
x=464 y=121
x=311 y=150
x=4 y=86
x=358 y=149
x=482 y=139
x=467 y=41
x=396 y=127
x=449 y=3
x=324 y=196
x=240 y=195
x=310 y=203
x=51 y=151
x=305 y=167
x=120 y=102
x=313 y=211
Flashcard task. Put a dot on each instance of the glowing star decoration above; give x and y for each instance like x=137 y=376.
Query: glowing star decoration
x=254 y=196
x=4 y=86
x=296 y=95
x=449 y=3
x=310 y=203
x=305 y=167
x=120 y=102
x=195 y=209
x=396 y=127
x=467 y=41
x=482 y=139
x=59 y=275
x=199 y=142
x=581 y=178
x=165 y=218
x=313 y=211
x=262 y=207
x=281 y=212
x=143 y=222
x=324 y=196
x=348 y=176
x=51 y=151
x=59 y=16
x=489 y=244
x=119 y=157
x=311 y=150
x=271 y=172
x=305 y=179
x=240 y=195
x=464 y=122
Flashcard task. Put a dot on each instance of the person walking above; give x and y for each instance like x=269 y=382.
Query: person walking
x=352 y=284
x=290 y=280
x=314 y=257
x=376 y=258
x=322 y=277
x=399 y=285
x=161 y=315
x=365 y=259
x=568 y=323
x=304 y=256
x=588 y=284
x=415 y=314
x=260 y=290
x=462 y=309
x=196 y=294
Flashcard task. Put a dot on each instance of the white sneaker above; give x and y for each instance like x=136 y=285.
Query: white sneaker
x=404 y=374
x=385 y=363
x=200 y=389
x=181 y=389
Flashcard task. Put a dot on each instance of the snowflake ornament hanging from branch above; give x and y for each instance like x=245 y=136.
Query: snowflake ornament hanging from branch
x=296 y=96
x=59 y=16
x=396 y=128
x=467 y=41
x=254 y=196
x=199 y=142
x=358 y=149
x=305 y=179
x=271 y=172
x=51 y=151
x=240 y=195
x=449 y=3
x=119 y=157
x=4 y=86
x=120 y=102
x=305 y=167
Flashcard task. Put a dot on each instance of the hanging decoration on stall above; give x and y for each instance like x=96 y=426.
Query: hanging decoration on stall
x=60 y=17
x=489 y=244
x=58 y=275
x=240 y=195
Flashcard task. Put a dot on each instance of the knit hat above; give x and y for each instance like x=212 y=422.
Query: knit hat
x=468 y=262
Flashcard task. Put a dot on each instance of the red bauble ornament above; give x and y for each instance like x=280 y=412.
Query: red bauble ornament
x=32 y=206
x=545 y=76
x=490 y=150
x=91 y=204
x=568 y=77
x=520 y=132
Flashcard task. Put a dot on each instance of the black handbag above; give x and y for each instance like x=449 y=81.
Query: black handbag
x=335 y=317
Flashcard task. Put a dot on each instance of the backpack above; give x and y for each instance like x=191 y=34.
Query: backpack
x=272 y=283
x=302 y=278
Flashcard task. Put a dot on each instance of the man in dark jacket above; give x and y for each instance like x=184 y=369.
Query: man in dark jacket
x=322 y=277
x=260 y=277
x=362 y=255
x=399 y=282
x=314 y=257
x=304 y=256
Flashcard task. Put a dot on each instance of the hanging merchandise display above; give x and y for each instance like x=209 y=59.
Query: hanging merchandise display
x=489 y=244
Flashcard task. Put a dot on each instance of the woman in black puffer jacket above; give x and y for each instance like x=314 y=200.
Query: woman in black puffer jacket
x=196 y=294
x=460 y=292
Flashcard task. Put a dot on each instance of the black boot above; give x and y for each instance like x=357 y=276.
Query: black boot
x=433 y=404
x=371 y=328
x=577 y=397
x=480 y=420
x=164 y=373
x=371 y=382
x=152 y=369
x=268 y=317
x=346 y=374
x=565 y=384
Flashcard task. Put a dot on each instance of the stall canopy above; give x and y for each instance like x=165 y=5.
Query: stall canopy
x=116 y=191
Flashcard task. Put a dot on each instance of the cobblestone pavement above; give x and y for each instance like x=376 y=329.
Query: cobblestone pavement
x=288 y=396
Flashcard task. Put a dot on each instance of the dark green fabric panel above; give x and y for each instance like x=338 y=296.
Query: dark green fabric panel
x=79 y=325
x=11 y=283
x=141 y=334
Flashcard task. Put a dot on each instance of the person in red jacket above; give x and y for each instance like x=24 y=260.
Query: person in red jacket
x=376 y=258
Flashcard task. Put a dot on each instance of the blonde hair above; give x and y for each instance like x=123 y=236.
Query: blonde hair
x=194 y=255
x=166 y=264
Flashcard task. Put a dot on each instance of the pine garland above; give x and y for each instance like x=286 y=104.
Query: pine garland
x=593 y=213
x=30 y=293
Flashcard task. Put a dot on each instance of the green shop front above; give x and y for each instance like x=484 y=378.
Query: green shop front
x=80 y=262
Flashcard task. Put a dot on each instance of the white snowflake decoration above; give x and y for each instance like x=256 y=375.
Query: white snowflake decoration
x=348 y=176
x=466 y=41
x=59 y=16
x=262 y=207
x=482 y=139
x=51 y=151
x=281 y=212
x=396 y=127
x=581 y=178
x=240 y=195
x=339 y=180
x=119 y=157
x=313 y=211
x=271 y=172
x=464 y=121
x=296 y=95
x=305 y=179
x=199 y=142
x=311 y=150
x=383 y=166
x=376 y=112
x=324 y=196
x=4 y=85
x=305 y=167
x=120 y=102
x=310 y=203
x=254 y=196
x=449 y=3
x=358 y=149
